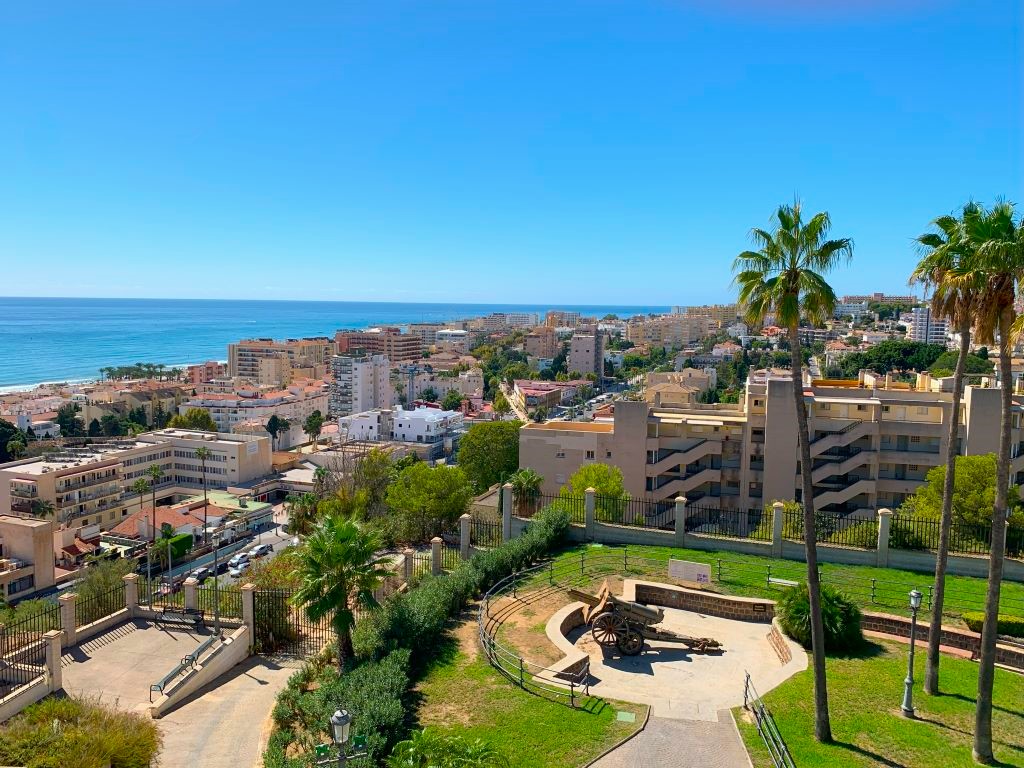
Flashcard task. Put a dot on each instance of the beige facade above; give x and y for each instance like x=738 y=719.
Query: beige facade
x=720 y=314
x=586 y=354
x=872 y=443
x=26 y=556
x=396 y=346
x=270 y=363
x=669 y=331
x=92 y=485
x=541 y=342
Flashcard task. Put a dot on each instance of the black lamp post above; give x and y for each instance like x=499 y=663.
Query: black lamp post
x=908 y=684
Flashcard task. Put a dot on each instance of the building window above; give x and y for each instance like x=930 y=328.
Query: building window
x=607 y=454
x=913 y=467
x=590 y=454
x=559 y=454
x=922 y=410
x=885 y=409
x=915 y=438
x=861 y=407
x=20 y=585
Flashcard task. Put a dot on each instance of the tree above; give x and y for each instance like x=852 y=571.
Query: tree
x=313 y=426
x=489 y=453
x=526 y=485
x=8 y=432
x=501 y=406
x=275 y=426
x=949 y=268
x=428 y=395
x=203 y=453
x=372 y=475
x=428 y=500
x=452 y=401
x=784 y=278
x=68 y=421
x=973 y=493
x=194 y=418
x=339 y=569
x=111 y=425
x=43 y=508
x=1000 y=248
x=95 y=430
x=540 y=414
x=16 y=447
x=610 y=491
x=155 y=472
x=302 y=513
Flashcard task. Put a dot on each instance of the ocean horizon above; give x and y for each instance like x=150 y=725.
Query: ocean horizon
x=50 y=340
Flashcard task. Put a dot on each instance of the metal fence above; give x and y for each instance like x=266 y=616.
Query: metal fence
x=485 y=533
x=753 y=523
x=421 y=563
x=766 y=726
x=450 y=558
x=574 y=506
x=23 y=650
x=95 y=607
x=228 y=601
x=832 y=528
x=964 y=538
x=156 y=593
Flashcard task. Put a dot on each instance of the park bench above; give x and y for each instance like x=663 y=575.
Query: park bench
x=165 y=681
x=170 y=614
x=776 y=581
x=191 y=659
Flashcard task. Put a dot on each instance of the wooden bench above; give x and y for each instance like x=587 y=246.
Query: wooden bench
x=165 y=681
x=776 y=581
x=170 y=614
x=191 y=659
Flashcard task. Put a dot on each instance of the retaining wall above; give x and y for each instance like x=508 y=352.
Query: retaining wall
x=709 y=603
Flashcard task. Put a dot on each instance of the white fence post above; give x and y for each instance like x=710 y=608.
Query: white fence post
x=778 y=517
x=435 y=555
x=680 y=537
x=506 y=511
x=590 y=511
x=465 y=534
x=884 y=525
x=67 y=618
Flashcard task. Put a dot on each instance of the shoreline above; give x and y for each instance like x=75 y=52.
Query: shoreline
x=11 y=389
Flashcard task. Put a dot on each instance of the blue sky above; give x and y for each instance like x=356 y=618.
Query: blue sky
x=572 y=152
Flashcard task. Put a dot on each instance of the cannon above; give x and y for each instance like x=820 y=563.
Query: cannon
x=626 y=625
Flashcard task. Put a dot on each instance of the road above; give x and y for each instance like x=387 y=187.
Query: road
x=513 y=404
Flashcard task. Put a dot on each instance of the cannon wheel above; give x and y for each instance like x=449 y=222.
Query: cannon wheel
x=607 y=628
x=631 y=643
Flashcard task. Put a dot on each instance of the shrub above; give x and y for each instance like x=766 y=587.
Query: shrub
x=1005 y=625
x=860 y=534
x=840 y=618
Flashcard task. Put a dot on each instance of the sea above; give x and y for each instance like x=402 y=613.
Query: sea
x=46 y=340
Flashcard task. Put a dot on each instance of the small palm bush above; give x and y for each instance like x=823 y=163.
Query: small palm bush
x=840 y=617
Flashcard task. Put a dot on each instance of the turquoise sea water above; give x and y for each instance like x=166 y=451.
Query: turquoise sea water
x=71 y=339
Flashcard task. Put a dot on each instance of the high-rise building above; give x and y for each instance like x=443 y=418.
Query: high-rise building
x=879 y=298
x=396 y=346
x=720 y=314
x=541 y=342
x=557 y=318
x=361 y=383
x=266 y=362
x=426 y=332
x=669 y=331
x=586 y=354
x=924 y=326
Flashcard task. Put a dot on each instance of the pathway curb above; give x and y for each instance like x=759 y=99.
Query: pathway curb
x=622 y=741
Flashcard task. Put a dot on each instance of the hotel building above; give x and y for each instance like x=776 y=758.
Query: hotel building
x=361 y=383
x=270 y=363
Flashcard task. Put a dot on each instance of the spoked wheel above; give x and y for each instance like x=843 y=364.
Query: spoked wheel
x=607 y=628
x=631 y=643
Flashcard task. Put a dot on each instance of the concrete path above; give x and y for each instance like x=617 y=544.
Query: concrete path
x=221 y=726
x=675 y=743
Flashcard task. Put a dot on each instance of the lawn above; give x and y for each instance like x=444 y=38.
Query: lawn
x=864 y=697
x=463 y=695
x=746 y=575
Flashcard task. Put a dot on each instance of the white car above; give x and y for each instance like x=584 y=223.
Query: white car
x=237 y=570
x=237 y=560
x=261 y=550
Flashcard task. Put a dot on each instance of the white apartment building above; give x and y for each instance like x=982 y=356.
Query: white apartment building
x=92 y=484
x=586 y=354
x=361 y=383
x=245 y=406
x=436 y=430
x=924 y=326
x=452 y=340
x=851 y=310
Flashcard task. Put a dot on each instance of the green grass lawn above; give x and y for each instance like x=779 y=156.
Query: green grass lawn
x=745 y=575
x=462 y=694
x=864 y=700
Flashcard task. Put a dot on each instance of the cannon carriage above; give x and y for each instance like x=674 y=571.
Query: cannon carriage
x=626 y=625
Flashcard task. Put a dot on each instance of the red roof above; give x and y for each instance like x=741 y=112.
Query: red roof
x=174 y=517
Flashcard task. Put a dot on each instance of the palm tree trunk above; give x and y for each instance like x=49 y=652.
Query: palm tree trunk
x=931 y=676
x=987 y=654
x=822 y=726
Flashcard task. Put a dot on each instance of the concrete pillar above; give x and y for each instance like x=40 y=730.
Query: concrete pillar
x=249 y=610
x=67 y=618
x=191 y=596
x=680 y=537
x=407 y=565
x=506 y=511
x=465 y=534
x=777 y=519
x=590 y=511
x=53 y=651
x=435 y=555
x=743 y=523
x=884 y=524
x=131 y=592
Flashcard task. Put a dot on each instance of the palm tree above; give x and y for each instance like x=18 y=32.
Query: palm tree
x=339 y=569
x=785 y=278
x=141 y=487
x=1000 y=243
x=155 y=472
x=302 y=513
x=949 y=267
x=16 y=447
x=526 y=485
x=42 y=508
x=203 y=453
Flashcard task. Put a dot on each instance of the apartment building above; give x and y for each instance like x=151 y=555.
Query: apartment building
x=530 y=393
x=586 y=354
x=205 y=372
x=498 y=321
x=92 y=484
x=417 y=381
x=426 y=332
x=454 y=340
x=244 y=406
x=720 y=315
x=668 y=331
x=879 y=298
x=396 y=346
x=925 y=327
x=557 y=318
x=873 y=441
x=435 y=432
x=26 y=556
x=361 y=383
x=850 y=310
x=542 y=342
x=266 y=362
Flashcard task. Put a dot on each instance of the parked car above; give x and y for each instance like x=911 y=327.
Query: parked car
x=201 y=574
x=260 y=550
x=237 y=570
x=241 y=557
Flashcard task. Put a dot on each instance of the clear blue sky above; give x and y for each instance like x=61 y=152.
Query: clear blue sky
x=572 y=152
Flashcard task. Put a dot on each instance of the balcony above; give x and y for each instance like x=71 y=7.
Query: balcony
x=852 y=432
x=838 y=495
x=667 y=459
x=680 y=486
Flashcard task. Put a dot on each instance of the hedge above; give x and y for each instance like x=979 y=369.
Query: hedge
x=1005 y=625
x=840 y=618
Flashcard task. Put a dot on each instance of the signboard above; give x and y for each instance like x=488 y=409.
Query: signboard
x=252 y=448
x=684 y=570
x=322 y=750
x=358 y=742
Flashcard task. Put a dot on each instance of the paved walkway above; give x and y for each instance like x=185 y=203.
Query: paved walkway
x=220 y=726
x=674 y=743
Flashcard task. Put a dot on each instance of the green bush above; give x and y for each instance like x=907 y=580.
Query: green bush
x=861 y=534
x=840 y=618
x=1005 y=625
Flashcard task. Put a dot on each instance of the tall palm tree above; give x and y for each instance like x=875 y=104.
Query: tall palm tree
x=526 y=485
x=302 y=511
x=141 y=487
x=339 y=569
x=203 y=453
x=42 y=508
x=1000 y=241
x=948 y=267
x=155 y=472
x=784 y=277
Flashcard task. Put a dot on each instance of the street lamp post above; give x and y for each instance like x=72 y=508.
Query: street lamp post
x=341 y=721
x=908 y=684
x=216 y=584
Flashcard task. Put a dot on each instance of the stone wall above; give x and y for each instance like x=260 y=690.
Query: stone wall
x=698 y=601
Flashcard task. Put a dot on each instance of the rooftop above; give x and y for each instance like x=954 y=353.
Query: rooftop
x=573 y=426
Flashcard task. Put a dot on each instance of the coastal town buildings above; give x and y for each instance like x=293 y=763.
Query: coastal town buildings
x=542 y=342
x=266 y=362
x=557 y=318
x=426 y=332
x=27 y=563
x=360 y=383
x=720 y=315
x=455 y=340
x=873 y=441
x=668 y=331
x=201 y=373
x=586 y=353
x=879 y=298
x=389 y=341
x=433 y=431
x=531 y=393
x=925 y=327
